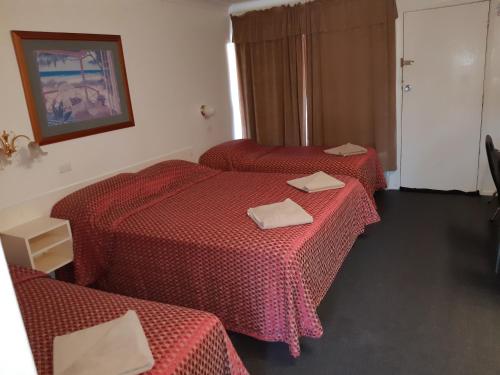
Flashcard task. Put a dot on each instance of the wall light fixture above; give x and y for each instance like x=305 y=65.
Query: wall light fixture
x=207 y=111
x=8 y=144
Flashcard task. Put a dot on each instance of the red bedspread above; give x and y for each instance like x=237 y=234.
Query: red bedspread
x=247 y=156
x=179 y=233
x=183 y=341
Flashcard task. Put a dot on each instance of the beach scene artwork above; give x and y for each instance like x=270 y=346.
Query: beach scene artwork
x=78 y=85
x=75 y=84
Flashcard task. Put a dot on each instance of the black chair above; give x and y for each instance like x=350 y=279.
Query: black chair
x=494 y=161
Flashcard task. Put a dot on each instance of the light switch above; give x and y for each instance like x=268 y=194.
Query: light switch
x=65 y=168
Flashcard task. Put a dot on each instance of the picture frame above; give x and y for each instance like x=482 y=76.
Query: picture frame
x=75 y=84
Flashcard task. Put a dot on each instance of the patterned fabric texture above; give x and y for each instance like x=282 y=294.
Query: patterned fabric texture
x=245 y=155
x=183 y=341
x=179 y=233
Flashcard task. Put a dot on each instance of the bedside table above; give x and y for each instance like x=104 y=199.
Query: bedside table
x=44 y=244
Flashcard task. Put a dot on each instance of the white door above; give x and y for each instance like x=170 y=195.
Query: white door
x=442 y=96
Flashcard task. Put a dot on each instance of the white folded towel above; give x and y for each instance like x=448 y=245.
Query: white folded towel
x=319 y=181
x=347 y=150
x=117 y=347
x=278 y=215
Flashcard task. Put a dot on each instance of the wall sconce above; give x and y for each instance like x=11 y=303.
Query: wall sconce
x=8 y=146
x=207 y=111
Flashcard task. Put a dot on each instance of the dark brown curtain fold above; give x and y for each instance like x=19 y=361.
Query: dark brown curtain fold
x=351 y=75
x=270 y=24
x=269 y=52
x=339 y=54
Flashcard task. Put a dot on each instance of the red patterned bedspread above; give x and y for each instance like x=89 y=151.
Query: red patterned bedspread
x=247 y=156
x=183 y=341
x=179 y=233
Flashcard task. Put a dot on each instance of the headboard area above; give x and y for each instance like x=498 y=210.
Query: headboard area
x=42 y=205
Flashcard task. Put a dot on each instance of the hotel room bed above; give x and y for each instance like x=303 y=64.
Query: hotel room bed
x=179 y=233
x=183 y=341
x=245 y=155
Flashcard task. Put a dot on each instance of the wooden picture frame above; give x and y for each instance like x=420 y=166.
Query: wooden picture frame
x=75 y=84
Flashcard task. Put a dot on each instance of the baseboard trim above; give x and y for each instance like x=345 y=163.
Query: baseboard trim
x=444 y=192
x=42 y=205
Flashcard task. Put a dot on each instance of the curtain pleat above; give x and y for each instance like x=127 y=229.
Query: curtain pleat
x=269 y=54
x=351 y=75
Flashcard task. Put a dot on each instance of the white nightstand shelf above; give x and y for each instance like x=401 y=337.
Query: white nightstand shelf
x=44 y=244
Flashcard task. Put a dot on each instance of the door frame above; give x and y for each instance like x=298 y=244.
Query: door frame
x=400 y=84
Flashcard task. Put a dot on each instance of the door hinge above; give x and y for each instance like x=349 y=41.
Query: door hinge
x=406 y=62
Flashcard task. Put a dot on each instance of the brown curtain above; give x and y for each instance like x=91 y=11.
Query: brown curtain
x=339 y=54
x=351 y=74
x=269 y=52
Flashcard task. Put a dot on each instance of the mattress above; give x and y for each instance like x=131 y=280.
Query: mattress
x=179 y=233
x=183 y=341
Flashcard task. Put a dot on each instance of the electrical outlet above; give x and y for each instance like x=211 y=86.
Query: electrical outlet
x=65 y=168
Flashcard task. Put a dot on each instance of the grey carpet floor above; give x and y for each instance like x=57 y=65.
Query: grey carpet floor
x=416 y=295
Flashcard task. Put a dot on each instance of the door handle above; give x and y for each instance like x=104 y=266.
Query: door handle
x=406 y=62
x=407 y=88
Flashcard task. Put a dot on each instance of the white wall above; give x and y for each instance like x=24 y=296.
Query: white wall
x=15 y=352
x=175 y=55
x=491 y=111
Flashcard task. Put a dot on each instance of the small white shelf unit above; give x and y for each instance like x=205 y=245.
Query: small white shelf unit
x=44 y=244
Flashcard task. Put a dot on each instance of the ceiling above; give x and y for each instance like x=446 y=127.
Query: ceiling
x=228 y=1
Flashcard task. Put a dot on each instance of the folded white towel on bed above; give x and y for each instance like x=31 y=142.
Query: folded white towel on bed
x=319 y=181
x=278 y=215
x=347 y=150
x=117 y=347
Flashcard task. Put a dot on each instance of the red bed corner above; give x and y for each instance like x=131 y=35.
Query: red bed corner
x=245 y=155
x=179 y=233
x=183 y=341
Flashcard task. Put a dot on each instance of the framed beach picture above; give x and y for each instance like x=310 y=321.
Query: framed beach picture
x=75 y=84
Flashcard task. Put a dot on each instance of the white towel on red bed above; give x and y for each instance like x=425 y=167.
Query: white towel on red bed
x=319 y=181
x=117 y=347
x=278 y=215
x=347 y=150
